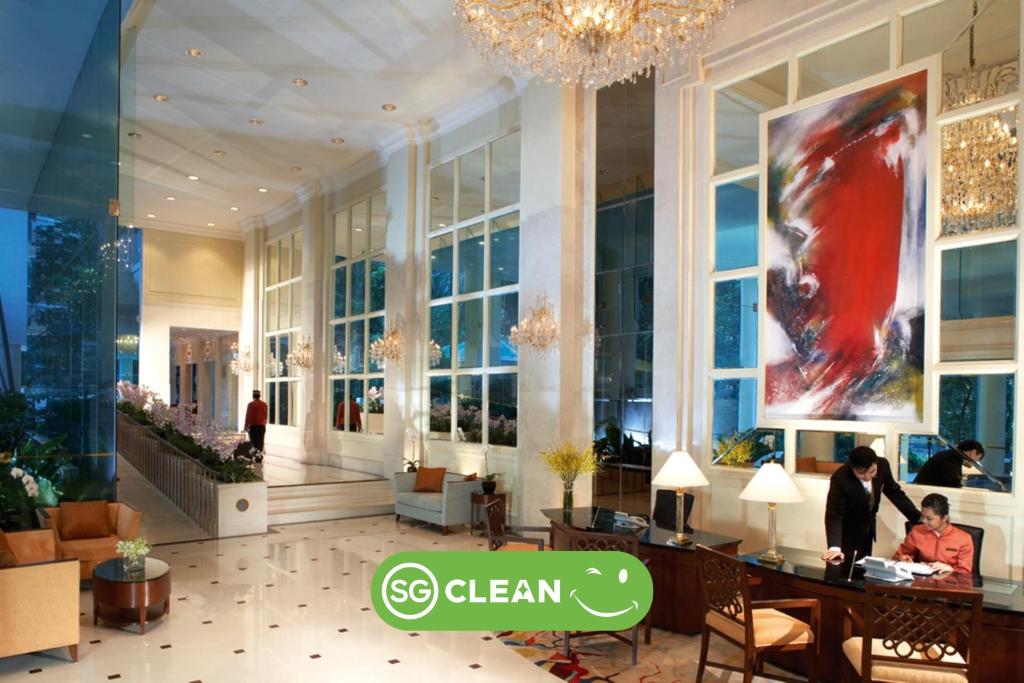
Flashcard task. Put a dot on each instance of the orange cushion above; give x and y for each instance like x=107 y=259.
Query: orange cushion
x=7 y=558
x=429 y=480
x=90 y=519
x=470 y=477
x=90 y=549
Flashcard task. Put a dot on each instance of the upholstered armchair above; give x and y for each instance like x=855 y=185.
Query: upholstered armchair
x=38 y=595
x=446 y=508
x=84 y=533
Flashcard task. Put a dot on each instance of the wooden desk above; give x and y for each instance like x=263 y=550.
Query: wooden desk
x=805 y=575
x=674 y=570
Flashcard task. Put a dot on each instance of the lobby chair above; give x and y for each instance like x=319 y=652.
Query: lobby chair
x=446 y=507
x=38 y=595
x=977 y=535
x=89 y=531
x=665 y=510
x=577 y=539
x=917 y=635
x=500 y=536
x=726 y=599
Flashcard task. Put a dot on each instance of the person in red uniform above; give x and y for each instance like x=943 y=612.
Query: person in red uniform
x=256 y=422
x=936 y=542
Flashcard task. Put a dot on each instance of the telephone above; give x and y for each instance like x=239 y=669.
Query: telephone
x=624 y=519
x=889 y=570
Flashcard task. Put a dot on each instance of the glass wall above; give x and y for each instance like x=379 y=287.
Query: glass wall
x=58 y=173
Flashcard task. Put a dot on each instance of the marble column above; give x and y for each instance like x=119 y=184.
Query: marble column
x=313 y=404
x=254 y=231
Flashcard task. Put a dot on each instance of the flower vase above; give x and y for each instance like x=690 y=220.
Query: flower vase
x=567 y=497
x=134 y=564
x=489 y=486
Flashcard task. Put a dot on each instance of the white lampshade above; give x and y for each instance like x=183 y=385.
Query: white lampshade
x=680 y=472
x=771 y=484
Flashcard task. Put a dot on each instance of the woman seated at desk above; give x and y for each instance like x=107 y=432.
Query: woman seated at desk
x=936 y=542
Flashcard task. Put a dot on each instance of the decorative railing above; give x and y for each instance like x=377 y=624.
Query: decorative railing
x=187 y=483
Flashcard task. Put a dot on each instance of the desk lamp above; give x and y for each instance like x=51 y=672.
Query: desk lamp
x=680 y=472
x=771 y=485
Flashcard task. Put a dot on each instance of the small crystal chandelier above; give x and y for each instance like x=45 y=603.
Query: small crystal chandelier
x=301 y=356
x=240 y=363
x=979 y=154
x=338 y=363
x=592 y=43
x=275 y=368
x=207 y=351
x=539 y=329
x=389 y=347
x=433 y=353
x=127 y=343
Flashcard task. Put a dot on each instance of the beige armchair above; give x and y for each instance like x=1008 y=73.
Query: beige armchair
x=123 y=523
x=38 y=597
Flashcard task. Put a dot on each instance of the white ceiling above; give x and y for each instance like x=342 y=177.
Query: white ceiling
x=356 y=55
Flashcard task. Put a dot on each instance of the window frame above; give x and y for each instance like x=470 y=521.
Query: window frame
x=290 y=381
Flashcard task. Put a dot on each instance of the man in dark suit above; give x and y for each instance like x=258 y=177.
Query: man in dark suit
x=945 y=468
x=854 y=494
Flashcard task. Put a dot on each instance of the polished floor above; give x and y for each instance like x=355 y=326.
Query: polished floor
x=281 y=471
x=293 y=605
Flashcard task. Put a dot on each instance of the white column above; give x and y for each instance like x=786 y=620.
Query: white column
x=552 y=405
x=312 y=403
x=254 y=229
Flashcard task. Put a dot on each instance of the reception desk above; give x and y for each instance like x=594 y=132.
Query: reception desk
x=805 y=575
x=674 y=571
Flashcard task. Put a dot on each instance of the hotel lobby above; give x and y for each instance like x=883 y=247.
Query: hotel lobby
x=298 y=295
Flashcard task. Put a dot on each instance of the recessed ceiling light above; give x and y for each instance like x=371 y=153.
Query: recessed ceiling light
x=194 y=52
x=161 y=98
x=131 y=226
x=210 y=225
x=234 y=208
x=300 y=82
x=219 y=152
x=296 y=168
x=256 y=121
x=358 y=229
x=338 y=141
x=150 y=215
x=262 y=189
x=193 y=177
x=389 y=107
x=170 y=198
x=134 y=135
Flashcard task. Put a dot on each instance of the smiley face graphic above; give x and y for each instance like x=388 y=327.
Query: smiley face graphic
x=605 y=586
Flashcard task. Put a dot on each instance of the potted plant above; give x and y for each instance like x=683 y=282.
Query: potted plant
x=489 y=482
x=133 y=553
x=411 y=464
x=569 y=461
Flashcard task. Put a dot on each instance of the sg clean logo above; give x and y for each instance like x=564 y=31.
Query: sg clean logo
x=470 y=591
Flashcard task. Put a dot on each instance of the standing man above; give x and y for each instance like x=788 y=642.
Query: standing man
x=854 y=494
x=945 y=468
x=256 y=422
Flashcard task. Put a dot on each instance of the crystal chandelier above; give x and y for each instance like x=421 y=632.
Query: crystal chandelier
x=275 y=368
x=390 y=347
x=127 y=343
x=539 y=329
x=240 y=363
x=979 y=154
x=338 y=364
x=301 y=356
x=592 y=43
x=433 y=353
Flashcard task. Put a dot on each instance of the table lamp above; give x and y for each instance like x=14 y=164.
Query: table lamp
x=772 y=485
x=680 y=472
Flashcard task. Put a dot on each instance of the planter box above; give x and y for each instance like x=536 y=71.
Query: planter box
x=241 y=509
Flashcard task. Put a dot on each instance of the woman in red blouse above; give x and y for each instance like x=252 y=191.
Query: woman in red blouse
x=936 y=542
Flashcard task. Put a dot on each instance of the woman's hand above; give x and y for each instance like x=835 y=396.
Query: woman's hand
x=940 y=567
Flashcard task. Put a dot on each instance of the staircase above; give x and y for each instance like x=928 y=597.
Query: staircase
x=338 y=500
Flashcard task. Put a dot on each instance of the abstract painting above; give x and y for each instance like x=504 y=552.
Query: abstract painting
x=844 y=256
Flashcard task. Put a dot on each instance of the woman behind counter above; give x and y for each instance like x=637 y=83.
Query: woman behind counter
x=936 y=542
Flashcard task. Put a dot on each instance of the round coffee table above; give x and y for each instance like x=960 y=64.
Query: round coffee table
x=114 y=587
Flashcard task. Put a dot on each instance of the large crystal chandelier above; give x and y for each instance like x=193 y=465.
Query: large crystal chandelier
x=389 y=347
x=240 y=363
x=979 y=154
x=592 y=43
x=539 y=329
x=301 y=355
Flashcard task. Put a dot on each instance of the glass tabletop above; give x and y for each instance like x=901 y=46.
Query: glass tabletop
x=113 y=570
x=603 y=519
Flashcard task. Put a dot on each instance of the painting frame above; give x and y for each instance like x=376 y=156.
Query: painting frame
x=926 y=416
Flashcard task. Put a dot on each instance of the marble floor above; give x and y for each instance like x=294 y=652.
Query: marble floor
x=280 y=471
x=292 y=605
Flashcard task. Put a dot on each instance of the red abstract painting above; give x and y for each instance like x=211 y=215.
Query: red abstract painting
x=844 y=326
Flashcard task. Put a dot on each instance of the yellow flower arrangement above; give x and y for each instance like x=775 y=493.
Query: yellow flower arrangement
x=569 y=461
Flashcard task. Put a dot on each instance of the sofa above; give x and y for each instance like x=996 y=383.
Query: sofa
x=38 y=595
x=449 y=507
x=122 y=524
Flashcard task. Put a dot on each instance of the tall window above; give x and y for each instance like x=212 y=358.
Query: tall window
x=474 y=294
x=358 y=276
x=282 y=311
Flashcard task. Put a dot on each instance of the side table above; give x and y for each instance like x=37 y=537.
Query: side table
x=479 y=500
x=114 y=587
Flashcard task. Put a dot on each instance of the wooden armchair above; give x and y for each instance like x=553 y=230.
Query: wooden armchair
x=503 y=537
x=38 y=597
x=917 y=635
x=577 y=539
x=726 y=598
x=91 y=545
